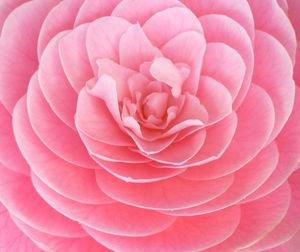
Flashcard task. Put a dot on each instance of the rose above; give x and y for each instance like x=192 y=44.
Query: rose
x=146 y=128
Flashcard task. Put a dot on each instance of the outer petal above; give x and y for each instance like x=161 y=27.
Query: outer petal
x=10 y=155
x=178 y=193
x=168 y=23
x=94 y=120
x=288 y=143
x=139 y=11
x=255 y=123
x=74 y=58
x=18 y=59
x=107 y=218
x=76 y=182
x=140 y=173
x=57 y=136
x=289 y=226
x=225 y=65
x=186 y=234
x=246 y=180
x=135 y=48
x=103 y=38
x=11 y=238
x=211 y=149
x=215 y=98
x=6 y=7
x=60 y=18
x=232 y=34
x=270 y=18
x=91 y=10
x=254 y=224
x=60 y=244
x=20 y=198
x=236 y=9
x=291 y=245
x=111 y=153
x=273 y=71
x=54 y=84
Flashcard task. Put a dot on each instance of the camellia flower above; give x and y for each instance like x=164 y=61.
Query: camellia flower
x=149 y=125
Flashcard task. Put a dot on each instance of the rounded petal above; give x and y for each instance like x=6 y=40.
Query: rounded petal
x=168 y=23
x=107 y=218
x=57 y=136
x=140 y=11
x=54 y=84
x=60 y=18
x=186 y=234
x=18 y=59
x=178 y=192
x=255 y=123
x=11 y=238
x=74 y=58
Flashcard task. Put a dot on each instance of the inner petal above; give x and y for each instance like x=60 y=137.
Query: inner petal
x=155 y=105
x=163 y=69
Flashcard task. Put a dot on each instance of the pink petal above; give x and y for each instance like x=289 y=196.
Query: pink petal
x=140 y=11
x=60 y=244
x=107 y=218
x=280 y=86
x=11 y=238
x=225 y=65
x=254 y=222
x=293 y=11
x=118 y=73
x=75 y=182
x=178 y=193
x=105 y=88
x=154 y=146
x=139 y=173
x=54 y=84
x=94 y=120
x=283 y=5
x=168 y=23
x=18 y=59
x=270 y=18
x=163 y=70
x=289 y=226
x=215 y=98
x=255 y=123
x=289 y=148
x=178 y=153
x=246 y=180
x=59 y=19
x=10 y=155
x=102 y=41
x=186 y=234
x=291 y=245
x=20 y=198
x=112 y=153
x=74 y=58
x=90 y=10
x=212 y=149
x=232 y=34
x=192 y=113
x=57 y=136
x=6 y=7
x=189 y=48
x=235 y=9
x=135 y=48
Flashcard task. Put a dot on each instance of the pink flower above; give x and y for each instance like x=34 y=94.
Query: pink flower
x=150 y=125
